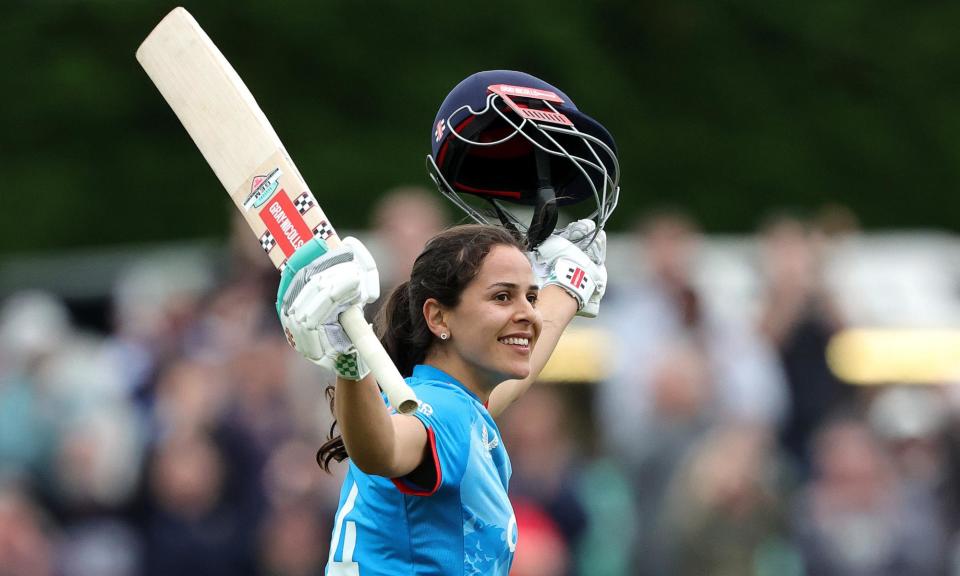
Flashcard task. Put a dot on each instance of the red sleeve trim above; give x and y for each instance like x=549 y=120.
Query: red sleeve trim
x=409 y=489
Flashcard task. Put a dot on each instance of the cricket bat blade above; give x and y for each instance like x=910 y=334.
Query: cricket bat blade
x=238 y=142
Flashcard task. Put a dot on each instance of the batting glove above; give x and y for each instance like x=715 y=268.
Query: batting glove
x=316 y=287
x=578 y=269
x=581 y=234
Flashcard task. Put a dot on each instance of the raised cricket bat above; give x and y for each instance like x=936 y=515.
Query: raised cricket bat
x=246 y=154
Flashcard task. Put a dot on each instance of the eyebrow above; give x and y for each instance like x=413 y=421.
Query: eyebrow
x=511 y=286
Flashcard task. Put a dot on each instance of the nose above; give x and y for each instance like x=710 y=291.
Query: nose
x=525 y=311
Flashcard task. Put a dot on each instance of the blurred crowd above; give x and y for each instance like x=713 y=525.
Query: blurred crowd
x=182 y=440
x=744 y=453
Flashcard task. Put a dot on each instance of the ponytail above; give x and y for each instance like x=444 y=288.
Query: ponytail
x=333 y=448
x=402 y=330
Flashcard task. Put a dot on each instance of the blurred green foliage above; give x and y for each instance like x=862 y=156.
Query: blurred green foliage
x=726 y=108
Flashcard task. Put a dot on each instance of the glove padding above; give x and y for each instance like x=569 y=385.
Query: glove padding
x=581 y=234
x=327 y=346
x=574 y=260
x=311 y=301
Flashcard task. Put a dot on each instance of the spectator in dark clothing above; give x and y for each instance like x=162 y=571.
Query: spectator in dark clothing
x=798 y=318
x=204 y=506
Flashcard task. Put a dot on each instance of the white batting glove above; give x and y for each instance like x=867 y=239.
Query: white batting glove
x=311 y=299
x=581 y=234
x=559 y=260
x=592 y=308
x=327 y=346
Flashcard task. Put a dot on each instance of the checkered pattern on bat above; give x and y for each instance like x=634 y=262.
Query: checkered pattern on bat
x=267 y=241
x=323 y=230
x=304 y=202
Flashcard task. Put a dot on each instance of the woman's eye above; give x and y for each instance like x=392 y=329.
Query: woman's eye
x=502 y=297
x=532 y=298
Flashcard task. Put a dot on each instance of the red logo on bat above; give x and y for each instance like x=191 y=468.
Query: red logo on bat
x=286 y=224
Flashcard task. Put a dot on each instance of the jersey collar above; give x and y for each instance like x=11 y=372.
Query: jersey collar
x=425 y=372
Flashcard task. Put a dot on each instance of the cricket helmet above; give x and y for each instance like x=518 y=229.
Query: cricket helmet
x=508 y=137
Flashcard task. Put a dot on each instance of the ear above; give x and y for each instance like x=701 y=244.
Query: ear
x=435 y=315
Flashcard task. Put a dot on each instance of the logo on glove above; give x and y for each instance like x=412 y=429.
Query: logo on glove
x=577 y=277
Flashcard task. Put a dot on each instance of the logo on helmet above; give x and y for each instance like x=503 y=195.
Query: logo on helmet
x=526 y=92
x=519 y=140
x=441 y=125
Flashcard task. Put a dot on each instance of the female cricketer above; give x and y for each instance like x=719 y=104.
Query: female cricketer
x=475 y=324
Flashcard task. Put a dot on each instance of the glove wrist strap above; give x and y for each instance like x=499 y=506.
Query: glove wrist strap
x=350 y=366
x=573 y=278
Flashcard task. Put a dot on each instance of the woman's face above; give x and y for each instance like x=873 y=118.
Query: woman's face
x=496 y=324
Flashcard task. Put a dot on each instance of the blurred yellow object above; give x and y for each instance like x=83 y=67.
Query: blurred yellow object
x=882 y=356
x=582 y=355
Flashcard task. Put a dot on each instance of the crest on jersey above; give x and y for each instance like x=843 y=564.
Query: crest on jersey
x=489 y=443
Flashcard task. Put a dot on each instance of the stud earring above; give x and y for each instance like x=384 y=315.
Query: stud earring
x=444 y=335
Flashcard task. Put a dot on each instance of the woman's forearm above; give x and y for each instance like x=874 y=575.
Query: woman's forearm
x=378 y=443
x=557 y=309
x=364 y=423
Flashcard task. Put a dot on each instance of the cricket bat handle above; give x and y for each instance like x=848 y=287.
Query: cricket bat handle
x=399 y=394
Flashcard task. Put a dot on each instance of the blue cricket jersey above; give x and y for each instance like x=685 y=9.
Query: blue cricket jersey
x=463 y=525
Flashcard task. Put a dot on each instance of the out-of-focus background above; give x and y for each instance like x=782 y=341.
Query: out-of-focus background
x=770 y=387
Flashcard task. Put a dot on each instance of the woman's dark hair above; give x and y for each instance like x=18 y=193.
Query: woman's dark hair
x=442 y=271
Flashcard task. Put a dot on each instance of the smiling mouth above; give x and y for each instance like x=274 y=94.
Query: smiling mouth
x=524 y=342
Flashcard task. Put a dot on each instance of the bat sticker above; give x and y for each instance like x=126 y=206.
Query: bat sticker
x=285 y=223
x=267 y=242
x=262 y=189
x=323 y=230
x=303 y=203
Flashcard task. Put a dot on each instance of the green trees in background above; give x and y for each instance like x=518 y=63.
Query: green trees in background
x=727 y=108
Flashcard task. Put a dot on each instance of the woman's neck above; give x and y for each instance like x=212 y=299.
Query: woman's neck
x=474 y=379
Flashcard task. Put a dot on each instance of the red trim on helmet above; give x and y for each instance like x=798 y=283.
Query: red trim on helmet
x=512 y=148
x=503 y=193
x=459 y=128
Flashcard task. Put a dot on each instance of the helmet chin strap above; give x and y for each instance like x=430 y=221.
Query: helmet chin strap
x=545 y=212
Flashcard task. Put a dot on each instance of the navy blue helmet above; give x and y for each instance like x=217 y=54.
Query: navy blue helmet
x=510 y=138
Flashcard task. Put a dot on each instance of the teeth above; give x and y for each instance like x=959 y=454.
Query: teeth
x=517 y=341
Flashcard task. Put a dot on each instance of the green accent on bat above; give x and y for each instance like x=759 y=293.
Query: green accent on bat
x=304 y=255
